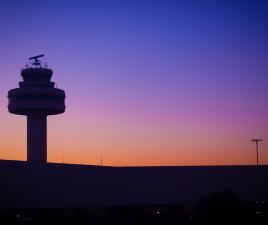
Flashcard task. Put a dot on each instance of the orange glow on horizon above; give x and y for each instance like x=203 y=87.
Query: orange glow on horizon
x=128 y=145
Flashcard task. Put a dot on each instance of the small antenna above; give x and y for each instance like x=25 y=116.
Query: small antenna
x=256 y=140
x=101 y=161
x=45 y=63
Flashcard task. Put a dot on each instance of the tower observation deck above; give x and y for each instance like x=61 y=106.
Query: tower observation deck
x=36 y=98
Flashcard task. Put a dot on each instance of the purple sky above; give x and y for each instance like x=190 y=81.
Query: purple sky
x=147 y=82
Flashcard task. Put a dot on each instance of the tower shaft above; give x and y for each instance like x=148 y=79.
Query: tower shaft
x=37 y=138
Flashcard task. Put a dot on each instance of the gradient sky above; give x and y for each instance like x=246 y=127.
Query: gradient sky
x=147 y=82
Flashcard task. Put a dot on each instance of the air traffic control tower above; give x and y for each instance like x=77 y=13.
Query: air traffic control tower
x=36 y=98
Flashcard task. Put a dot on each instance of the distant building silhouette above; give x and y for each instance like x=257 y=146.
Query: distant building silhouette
x=36 y=98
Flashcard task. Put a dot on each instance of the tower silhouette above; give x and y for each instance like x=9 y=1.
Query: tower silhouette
x=36 y=98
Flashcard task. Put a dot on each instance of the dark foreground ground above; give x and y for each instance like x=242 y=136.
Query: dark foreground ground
x=208 y=211
x=75 y=194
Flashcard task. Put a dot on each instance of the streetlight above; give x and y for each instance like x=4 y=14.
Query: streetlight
x=257 y=148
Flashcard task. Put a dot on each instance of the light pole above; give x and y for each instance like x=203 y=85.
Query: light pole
x=257 y=148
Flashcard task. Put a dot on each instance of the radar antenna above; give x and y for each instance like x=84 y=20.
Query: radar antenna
x=36 y=61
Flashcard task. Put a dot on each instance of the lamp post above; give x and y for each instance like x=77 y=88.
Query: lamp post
x=256 y=140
